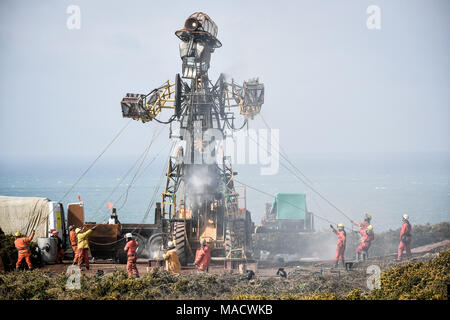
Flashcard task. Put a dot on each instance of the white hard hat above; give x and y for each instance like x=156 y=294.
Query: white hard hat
x=128 y=235
x=170 y=244
x=405 y=216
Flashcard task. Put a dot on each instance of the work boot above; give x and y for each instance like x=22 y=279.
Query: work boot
x=343 y=264
x=359 y=257
x=336 y=264
x=17 y=268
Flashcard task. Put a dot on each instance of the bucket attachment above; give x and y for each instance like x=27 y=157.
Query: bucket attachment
x=253 y=93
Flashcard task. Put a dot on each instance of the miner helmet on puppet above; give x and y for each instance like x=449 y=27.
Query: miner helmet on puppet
x=198 y=41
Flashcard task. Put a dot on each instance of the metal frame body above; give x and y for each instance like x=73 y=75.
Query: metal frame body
x=208 y=201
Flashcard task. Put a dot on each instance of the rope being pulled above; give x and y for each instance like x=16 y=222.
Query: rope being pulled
x=106 y=244
x=308 y=185
x=272 y=196
x=138 y=172
x=118 y=184
x=95 y=161
x=155 y=192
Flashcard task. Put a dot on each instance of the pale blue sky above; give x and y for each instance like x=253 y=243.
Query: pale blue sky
x=331 y=84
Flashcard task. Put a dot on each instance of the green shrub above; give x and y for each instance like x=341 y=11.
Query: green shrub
x=416 y=281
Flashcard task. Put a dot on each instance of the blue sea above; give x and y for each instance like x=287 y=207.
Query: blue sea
x=386 y=185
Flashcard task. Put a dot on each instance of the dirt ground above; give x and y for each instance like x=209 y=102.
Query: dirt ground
x=306 y=280
x=355 y=277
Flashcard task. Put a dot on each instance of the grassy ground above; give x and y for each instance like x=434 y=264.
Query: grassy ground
x=414 y=280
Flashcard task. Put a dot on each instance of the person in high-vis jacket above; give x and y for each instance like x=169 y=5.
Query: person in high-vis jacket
x=203 y=257
x=341 y=242
x=73 y=243
x=367 y=236
x=83 y=245
x=172 y=262
x=60 y=247
x=405 y=238
x=130 y=248
x=363 y=225
x=22 y=245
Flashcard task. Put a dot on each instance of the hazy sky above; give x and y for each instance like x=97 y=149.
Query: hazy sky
x=331 y=83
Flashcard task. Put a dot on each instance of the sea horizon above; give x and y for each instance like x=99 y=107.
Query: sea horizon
x=384 y=184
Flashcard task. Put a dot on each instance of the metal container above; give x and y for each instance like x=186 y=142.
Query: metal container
x=48 y=248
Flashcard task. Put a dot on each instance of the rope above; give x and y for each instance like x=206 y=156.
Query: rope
x=284 y=154
x=272 y=196
x=133 y=180
x=106 y=244
x=146 y=167
x=119 y=183
x=147 y=211
x=155 y=193
x=307 y=184
x=143 y=156
x=96 y=159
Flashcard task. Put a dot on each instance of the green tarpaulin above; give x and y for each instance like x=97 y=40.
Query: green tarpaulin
x=289 y=206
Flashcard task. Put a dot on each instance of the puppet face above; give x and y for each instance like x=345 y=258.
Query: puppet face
x=196 y=56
